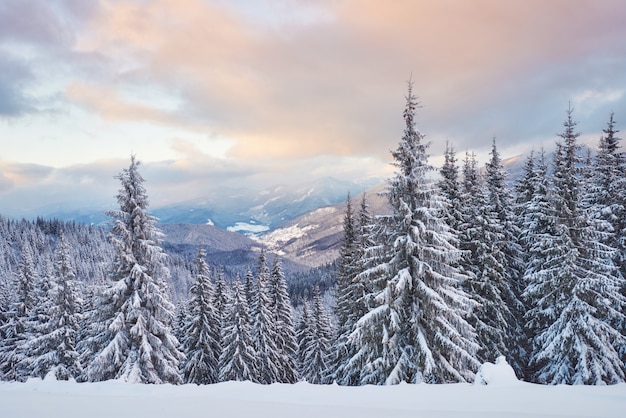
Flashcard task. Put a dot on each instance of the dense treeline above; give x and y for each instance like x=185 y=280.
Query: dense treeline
x=462 y=270
x=465 y=270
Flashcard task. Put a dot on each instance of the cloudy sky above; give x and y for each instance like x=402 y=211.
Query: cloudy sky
x=216 y=92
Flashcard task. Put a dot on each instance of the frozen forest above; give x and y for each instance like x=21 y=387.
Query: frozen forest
x=465 y=268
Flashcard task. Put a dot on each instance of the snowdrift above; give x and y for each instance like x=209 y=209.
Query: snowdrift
x=500 y=373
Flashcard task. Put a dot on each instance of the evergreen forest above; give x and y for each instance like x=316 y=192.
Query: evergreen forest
x=466 y=267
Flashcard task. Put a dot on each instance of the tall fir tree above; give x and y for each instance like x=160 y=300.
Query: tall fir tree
x=316 y=342
x=501 y=204
x=200 y=343
x=237 y=361
x=39 y=316
x=132 y=338
x=268 y=360
x=53 y=351
x=346 y=299
x=538 y=239
x=481 y=235
x=347 y=268
x=362 y=290
x=15 y=330
x=285 y=332
x=577 y=299
x=416 y=330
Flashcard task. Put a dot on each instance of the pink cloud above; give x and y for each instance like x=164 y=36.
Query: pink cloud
x=335 y=85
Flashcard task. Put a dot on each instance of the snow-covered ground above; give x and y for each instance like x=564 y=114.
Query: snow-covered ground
x=502 y=396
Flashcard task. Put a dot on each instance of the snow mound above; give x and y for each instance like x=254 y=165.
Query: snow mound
x=500 y=374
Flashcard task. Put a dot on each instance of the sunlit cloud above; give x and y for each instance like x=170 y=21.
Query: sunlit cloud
x=330 y=84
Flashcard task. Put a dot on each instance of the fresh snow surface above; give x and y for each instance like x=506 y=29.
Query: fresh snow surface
x=57 y=399
x=282 y=235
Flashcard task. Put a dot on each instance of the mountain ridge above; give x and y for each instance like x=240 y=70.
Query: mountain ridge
x=241 y=209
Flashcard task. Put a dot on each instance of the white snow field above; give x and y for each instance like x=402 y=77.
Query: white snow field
x=502 y=396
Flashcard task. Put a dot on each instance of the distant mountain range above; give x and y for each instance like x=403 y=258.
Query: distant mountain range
x=302 y=224
x=241 y=210
x=314 y=238
x=234 y=224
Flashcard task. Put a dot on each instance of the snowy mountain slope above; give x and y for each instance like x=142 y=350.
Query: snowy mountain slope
x=314 y=238
x=278 y=204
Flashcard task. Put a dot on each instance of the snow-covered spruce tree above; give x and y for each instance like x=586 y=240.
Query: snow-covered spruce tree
x=416 y=330
x=267 y=365
x=346 y=295
x=536 y=216
x=132 y=338
x=481 y=235
x=16 y=331
x=366 y=253
x=501 y=200
x=345 y=365
x=53 y=351
x=200 y=342
x=474 y=220
x=542 y=246
x=237 y=360
x=501 y=204
x=576 y=296
x=84 y=344
x=316 y=342
x=285 y=332
x=39 y=316
x=347 y=269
